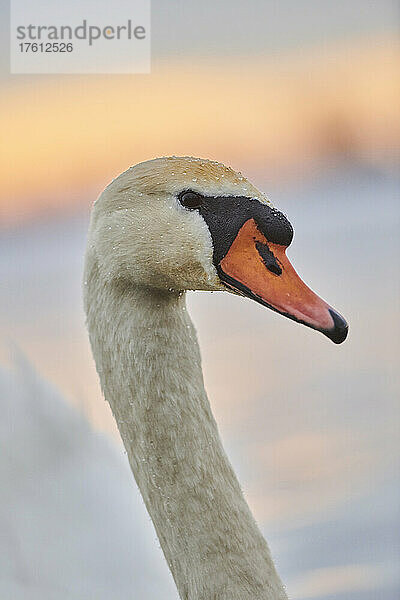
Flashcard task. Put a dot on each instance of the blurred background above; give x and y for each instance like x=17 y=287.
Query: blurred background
x=303 y=97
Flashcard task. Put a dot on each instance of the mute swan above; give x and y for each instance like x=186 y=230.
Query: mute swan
x=162 y=227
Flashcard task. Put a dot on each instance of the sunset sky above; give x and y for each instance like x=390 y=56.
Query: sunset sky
x=270 y=96
x=65 y=140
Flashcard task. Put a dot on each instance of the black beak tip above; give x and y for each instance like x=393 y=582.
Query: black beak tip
x=340 y=328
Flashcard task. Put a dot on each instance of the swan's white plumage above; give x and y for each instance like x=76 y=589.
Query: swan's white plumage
x=71 y=525
x=140 y=231
x=145 y=249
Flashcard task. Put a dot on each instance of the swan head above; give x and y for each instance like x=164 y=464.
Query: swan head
x=184 y=223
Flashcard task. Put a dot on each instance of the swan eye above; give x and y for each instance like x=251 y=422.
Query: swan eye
x=190 y=200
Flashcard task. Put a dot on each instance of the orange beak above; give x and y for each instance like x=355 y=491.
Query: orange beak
x=261 y=270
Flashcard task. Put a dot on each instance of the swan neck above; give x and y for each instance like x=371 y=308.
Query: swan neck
x=147 y=356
